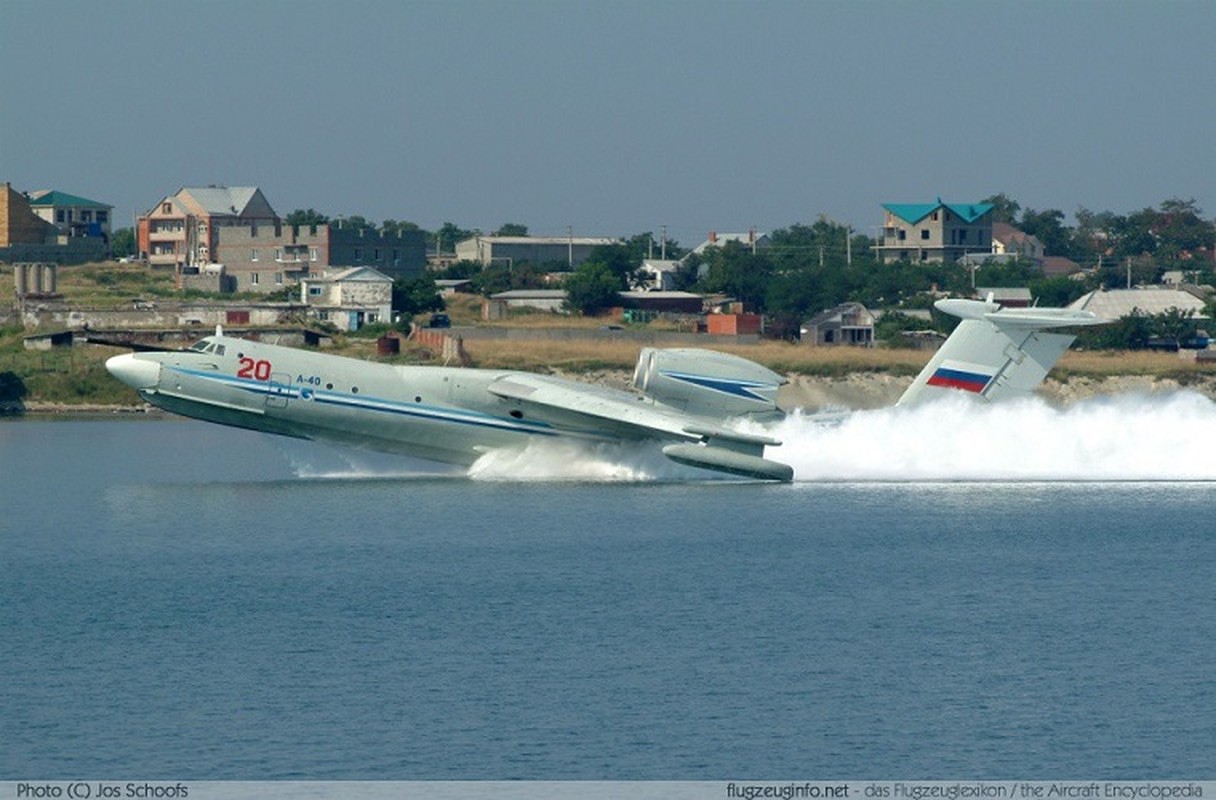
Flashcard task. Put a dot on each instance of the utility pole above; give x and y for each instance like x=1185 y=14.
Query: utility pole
x=570 y=249
x=663 y=245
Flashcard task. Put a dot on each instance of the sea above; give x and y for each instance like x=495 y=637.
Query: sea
x=954 y=591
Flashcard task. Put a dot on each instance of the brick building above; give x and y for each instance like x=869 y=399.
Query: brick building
x=223 y=238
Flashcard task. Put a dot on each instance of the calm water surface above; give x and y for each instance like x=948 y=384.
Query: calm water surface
x=178 y=602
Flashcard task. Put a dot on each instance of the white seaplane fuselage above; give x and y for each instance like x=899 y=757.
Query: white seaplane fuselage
x=687 y=401
x=448 y=414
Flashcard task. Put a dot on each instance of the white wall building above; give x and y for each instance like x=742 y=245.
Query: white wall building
x=349 y=298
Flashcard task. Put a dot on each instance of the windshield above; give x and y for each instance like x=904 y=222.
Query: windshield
x=207 y=346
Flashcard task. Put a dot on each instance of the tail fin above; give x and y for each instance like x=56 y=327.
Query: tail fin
x=996 y=353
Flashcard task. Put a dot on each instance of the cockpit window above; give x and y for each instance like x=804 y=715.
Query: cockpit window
x=207 y=346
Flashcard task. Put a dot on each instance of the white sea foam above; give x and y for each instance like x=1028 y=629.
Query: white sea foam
x=1113 y=438
x=566 y=460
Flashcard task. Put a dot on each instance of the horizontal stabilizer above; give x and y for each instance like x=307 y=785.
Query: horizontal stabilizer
x=732 y=462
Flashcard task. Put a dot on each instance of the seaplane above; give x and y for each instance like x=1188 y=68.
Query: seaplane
x=693 y=404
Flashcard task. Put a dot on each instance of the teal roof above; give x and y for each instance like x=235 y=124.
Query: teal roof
x=64 y=199
x=915 y=212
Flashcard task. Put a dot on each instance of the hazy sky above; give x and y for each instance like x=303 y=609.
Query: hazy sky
x=613 y=116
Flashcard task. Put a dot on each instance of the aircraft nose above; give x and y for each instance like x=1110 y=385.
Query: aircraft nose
x=138 y=373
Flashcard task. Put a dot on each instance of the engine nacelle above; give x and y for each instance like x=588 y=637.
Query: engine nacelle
x=706 y=382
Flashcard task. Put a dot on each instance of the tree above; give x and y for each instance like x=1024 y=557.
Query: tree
x=414 y=296
x=391 y=227
x=122 y=243
x=644 y=245
x=1131 y=332
x=592 y=288
x=1049 y=227
x=622 y=263
x=1180 y=229
x=736 y=271
x=492 y=279
x=1173 y=325
x=301 y=218
x=356 y=222
x=1058 y=291
x=1006 y=209
x=461 y=270
x=512 y=229
x=448 y=235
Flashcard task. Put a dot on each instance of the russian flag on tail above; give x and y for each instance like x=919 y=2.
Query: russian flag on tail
x=961 y=375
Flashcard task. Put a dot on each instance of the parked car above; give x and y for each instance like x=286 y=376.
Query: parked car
x=439 y=321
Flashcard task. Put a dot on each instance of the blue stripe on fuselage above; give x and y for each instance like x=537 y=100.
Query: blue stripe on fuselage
x=432 y=413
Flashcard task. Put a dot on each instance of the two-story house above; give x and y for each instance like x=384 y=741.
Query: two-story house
x=934 y=231
x=183 y=230
x=72 y=215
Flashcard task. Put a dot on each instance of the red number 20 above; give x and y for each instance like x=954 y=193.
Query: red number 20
x=258 y=370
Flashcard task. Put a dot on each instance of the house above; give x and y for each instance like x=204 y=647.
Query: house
x=1116 y=303
x=1008 y=240
x=658 y=275
x=349 y=298
x=1054 y=266
x=182 y=230
x=72 y=215
x=26 y=236
x=511 y=250
x=221 y=238
x=941 y=232
x=847 y=323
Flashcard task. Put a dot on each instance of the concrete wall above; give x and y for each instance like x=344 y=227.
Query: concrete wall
x=662 y=338
x=162 y=315
x=74 y=250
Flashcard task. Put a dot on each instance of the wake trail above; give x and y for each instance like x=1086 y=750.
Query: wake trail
x=1132 y=437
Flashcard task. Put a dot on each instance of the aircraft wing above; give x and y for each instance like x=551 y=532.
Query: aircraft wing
x=598 y=411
